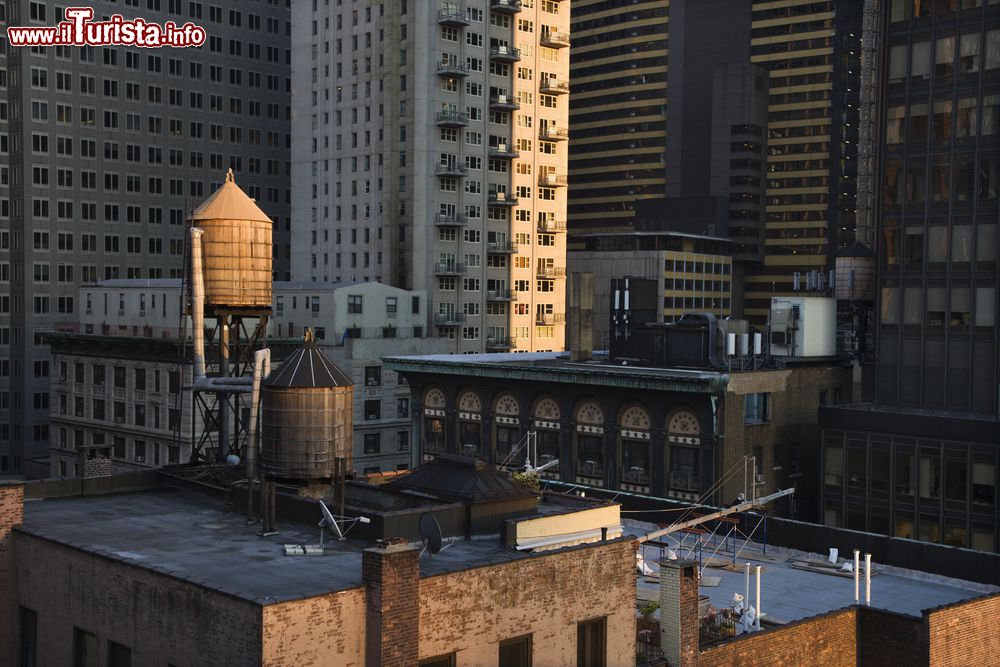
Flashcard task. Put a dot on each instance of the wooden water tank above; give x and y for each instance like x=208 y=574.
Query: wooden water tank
x=236 y=249
x=858 y=260
x=307 y=417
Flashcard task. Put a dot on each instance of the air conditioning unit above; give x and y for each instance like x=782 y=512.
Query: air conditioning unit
x=119 y=420
x=140 y=459
x=758 y=479
x=371 y=417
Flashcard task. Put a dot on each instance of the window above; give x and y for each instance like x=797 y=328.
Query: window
x=439 y=661
x=84 y=648
x=373 y=376
x=119 y=655
x=755 y=409
x=29 y=636
x=373 y=410
x=591 y=643
x=373 y=443
x=354 y=302
x=516 y=652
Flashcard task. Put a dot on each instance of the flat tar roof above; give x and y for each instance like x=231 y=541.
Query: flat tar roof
x=183 y=536
x=789 y=594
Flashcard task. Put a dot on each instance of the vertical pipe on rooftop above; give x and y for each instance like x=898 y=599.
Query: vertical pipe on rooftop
x=197 y=304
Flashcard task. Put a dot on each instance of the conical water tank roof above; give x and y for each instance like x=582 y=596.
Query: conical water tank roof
x=307 y=367
x=229 y=202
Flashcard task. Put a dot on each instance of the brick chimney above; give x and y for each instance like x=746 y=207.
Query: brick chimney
x=94 y=461
x=679 y=612
x=11 y=515
x=391 y=571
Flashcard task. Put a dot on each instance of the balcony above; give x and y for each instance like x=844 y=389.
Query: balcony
x=450 y=219
x=551 y=272
x=453 y=16
x=501 y=295
x=551 y=226
x=502 y=248
x=635 y=475
x=448 y=319
x=551 y=181
x=450 y=68
x=548 y=319
x=503 y=151
x=553 y=86
x=505 y=6
x=452 y=119
x=449 y=269
x=452 y=169
x=550 y=133
x=504 y=102
x=555 y=39
x=502 y=199
x=499 y=343
x=505 y=54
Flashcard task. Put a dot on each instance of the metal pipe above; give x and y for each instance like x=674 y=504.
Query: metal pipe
x=259 y=360
x=757 y=621
x=868 y=580
x=857 y=576
x=224 y=401
x=197 y=304
x=746 y=591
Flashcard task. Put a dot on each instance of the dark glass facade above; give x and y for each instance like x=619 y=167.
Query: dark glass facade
x=922 y=462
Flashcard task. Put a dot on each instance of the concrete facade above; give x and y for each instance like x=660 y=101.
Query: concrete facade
x=439 y=163
x=102 y=153
x=108 y=390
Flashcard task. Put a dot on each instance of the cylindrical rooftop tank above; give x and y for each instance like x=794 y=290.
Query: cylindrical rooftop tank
x=236 y=247
x=307 y=417
x=859 y=260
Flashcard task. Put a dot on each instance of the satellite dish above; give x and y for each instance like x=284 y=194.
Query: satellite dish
x=430 y=532
x=329 y=521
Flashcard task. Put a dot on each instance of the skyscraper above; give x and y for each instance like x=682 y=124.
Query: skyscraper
x=643 y=108
x=922 y=462
x=430 y=143
x=812 y=51
x=618 y=115
x=103 y=150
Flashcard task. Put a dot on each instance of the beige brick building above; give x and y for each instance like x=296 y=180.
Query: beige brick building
x=178 y=581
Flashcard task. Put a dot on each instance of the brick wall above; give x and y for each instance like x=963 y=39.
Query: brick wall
x=94 y=461
x=471 y=611
x=679 y=612
x=11 y=514
x=324 y=630
x=793 y=407
x=391 y=572
x=885 y=638
x=163 y=620
x=829 y=640
x=965 y=633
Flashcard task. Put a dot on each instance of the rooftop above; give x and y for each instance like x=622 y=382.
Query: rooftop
x=557 y=367
x=180 y=535
x=789 y=593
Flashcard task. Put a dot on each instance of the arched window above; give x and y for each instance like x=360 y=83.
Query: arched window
x=433 y=426
x=547 y=429
x=470 y=421
x=683 y=438
x=589 y=448
x=507 y=430
x=634 y=431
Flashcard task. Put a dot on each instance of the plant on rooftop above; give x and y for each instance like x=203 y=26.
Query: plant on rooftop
x=527 y=480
